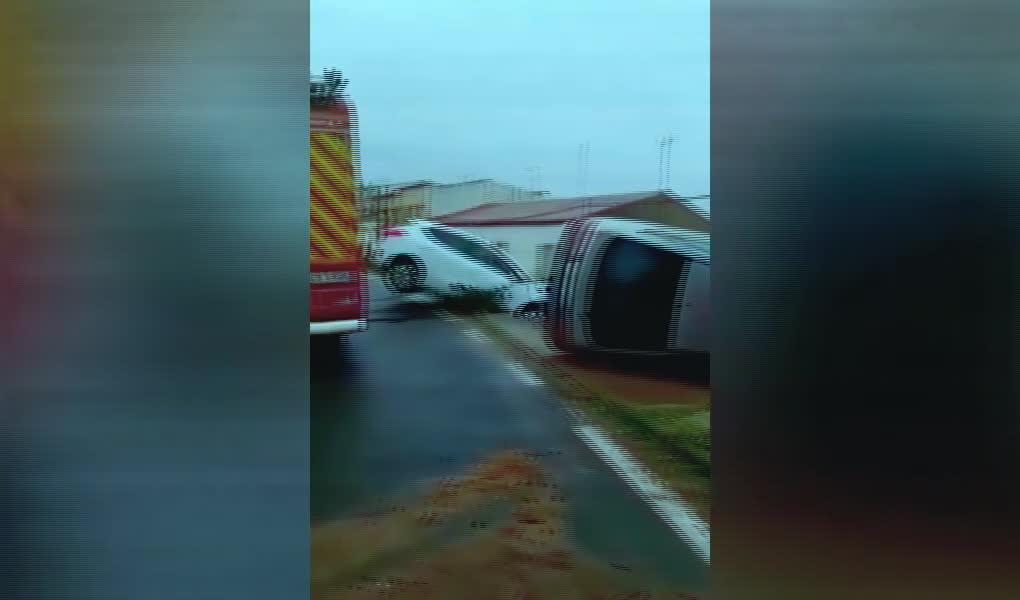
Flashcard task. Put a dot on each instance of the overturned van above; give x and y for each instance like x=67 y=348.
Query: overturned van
x=620 y=285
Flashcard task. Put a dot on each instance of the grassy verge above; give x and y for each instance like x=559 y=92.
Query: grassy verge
x=676 y=446
x=470 y=302
x=671 y=439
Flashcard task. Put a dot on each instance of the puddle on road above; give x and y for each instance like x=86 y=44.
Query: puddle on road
x=498 y=531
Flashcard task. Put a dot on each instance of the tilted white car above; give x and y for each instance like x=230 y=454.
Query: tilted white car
x=429 y=256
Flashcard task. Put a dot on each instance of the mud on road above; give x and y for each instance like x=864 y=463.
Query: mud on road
x=498 y=531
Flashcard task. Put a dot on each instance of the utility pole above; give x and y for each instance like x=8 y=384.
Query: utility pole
x=535 y=177
x=583 y=156
x=665 y=160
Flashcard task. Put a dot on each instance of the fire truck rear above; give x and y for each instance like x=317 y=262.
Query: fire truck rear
x=338 y=294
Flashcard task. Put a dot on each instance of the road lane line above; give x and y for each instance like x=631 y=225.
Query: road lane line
x=525 y=375
x=477 y=336
x=419 y=298
x=666 y=504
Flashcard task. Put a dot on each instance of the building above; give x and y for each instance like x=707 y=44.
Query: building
x=395 y=204
x=529 y=230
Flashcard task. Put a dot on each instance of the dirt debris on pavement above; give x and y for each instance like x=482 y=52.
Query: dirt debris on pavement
x=499 y=532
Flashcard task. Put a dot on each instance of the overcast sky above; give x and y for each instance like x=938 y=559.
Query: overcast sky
x=450 y=90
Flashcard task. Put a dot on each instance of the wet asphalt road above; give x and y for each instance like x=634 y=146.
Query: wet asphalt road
x=413 y=399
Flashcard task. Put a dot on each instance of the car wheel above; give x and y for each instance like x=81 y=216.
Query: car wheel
x=404 y=275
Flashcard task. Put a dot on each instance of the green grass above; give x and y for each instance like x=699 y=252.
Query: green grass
x=673 y=440
x=677 y=426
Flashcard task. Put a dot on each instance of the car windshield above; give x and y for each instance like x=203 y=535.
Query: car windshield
x=490 y=257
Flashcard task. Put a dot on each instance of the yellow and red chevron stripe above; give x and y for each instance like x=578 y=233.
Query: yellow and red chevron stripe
x=333 y=219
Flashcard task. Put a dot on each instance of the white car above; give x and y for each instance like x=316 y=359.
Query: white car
x=429 y=256
x=620 y=285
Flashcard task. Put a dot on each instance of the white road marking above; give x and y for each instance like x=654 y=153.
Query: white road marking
x=525 y=375
x=447 y=315
x=419 y=298
x=477 y=336
x=666 y=504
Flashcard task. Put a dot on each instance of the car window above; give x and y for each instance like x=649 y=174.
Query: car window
x=453 y=242
x=476 y=251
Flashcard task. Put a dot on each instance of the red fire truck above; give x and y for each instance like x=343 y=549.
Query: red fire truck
x=338 y=297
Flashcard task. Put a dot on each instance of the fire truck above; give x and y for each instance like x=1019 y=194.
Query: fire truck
x=338 y=293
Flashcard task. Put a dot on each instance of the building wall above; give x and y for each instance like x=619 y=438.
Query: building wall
x=423 y=202
x=451 y=198
x=523 y=242
x=401 y=207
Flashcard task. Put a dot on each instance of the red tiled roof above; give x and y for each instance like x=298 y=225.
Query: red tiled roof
x=541 y=212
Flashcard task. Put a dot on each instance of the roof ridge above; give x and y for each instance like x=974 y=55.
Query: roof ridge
x=642 y=194
x=546 y=210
